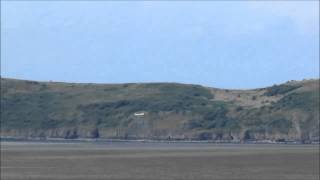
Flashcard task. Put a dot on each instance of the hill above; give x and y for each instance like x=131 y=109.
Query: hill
x=285 y=112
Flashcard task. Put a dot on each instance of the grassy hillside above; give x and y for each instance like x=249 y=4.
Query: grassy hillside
x=288 y=111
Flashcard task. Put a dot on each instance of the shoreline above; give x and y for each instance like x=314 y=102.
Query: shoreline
x=150 y=141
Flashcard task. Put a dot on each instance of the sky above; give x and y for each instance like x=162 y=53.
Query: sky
x=236 y=45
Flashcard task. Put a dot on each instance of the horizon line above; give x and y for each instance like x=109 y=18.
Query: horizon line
x=158 y=82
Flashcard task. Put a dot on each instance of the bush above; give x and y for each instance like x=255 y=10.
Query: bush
x=298 y=101
x=280 y=89
x=281 y=125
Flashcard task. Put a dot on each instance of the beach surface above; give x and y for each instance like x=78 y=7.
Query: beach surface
x=157 y=161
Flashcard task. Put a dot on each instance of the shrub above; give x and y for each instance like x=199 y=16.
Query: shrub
x=280 y=89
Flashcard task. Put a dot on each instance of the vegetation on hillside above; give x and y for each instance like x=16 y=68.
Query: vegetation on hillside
x=173 y=110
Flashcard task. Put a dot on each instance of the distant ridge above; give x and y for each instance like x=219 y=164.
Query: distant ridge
x=286 y=112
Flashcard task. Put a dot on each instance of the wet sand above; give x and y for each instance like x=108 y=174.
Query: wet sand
x=158 y=161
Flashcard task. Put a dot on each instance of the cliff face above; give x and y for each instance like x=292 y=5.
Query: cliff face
x=288 y=111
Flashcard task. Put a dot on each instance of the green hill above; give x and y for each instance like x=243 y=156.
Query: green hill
x=288 y=111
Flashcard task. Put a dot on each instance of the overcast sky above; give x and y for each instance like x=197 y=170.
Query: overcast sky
x=245 y=44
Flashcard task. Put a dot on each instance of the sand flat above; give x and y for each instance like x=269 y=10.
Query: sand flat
x=158 y=161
